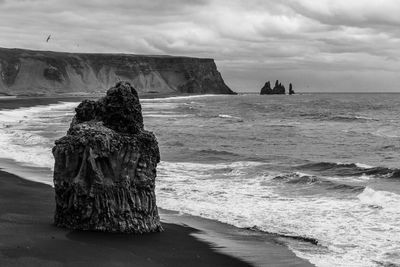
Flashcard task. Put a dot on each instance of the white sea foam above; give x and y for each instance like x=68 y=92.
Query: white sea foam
x=388 y=132
x=382 y=199
x=225 y=116
x=359 y=165
x=364 y=166
x=364 y=118
x=23 y=132
x=355 y=234
x=145 y=100
x=302 y=174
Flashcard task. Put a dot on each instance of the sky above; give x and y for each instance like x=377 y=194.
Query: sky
x=318 y=45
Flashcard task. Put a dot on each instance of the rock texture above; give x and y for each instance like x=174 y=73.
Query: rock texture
x=105 y=167
x=291 y=91
x=278 y=89
x=266 y=90
x=26 y=72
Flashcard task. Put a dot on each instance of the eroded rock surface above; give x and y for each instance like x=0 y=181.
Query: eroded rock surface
x=105 y=167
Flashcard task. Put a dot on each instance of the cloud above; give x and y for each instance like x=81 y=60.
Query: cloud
x=303 y=41
x=356 y=13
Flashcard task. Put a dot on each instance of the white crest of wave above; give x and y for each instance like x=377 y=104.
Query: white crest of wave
x=364 y=166
x=383 y=199
x=145 y=100
x=359 y=165
x=225 y=116
x=302 y=174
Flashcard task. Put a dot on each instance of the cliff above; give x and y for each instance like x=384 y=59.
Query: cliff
x=27 y=72
x=105 y=167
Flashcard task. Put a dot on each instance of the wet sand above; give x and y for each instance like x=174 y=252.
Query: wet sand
x=28 y=238
x=29 y=101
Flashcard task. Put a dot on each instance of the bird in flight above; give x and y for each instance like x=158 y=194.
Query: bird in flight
x=48 y=38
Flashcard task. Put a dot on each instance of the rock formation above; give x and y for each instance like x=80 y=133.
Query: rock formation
x=278 y=89
x=105 y=167
x=266 y=90
x=26 y=72
x=291 y=91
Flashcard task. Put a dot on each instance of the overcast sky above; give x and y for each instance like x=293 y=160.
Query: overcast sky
x=318 y=45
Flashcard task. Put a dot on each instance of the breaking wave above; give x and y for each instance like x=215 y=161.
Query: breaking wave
x=312 y=241
x=146 y=100
x=305 y=179
x=336 y=117
x=380 y=199
x=349 y=118
x=230 y=117
x=351 y=169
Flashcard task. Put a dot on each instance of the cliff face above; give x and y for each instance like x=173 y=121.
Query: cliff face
x=26 y=72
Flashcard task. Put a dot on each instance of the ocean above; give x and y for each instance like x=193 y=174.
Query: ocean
x=319 y=171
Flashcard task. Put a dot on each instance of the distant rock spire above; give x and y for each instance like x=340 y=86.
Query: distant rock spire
x=266 y=90
x=279 y=89
x=291 y=91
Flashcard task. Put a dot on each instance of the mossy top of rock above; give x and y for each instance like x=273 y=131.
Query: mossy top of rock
x=119 y=110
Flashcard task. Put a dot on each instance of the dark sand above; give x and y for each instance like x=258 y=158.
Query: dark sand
x=28 y=238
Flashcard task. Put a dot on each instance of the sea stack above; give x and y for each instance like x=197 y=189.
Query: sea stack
x=266 y=90
x=278 y=89
x=291 y=91
x=105 y=167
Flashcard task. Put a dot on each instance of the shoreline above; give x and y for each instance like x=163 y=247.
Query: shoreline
x=28 y=237
x=144 y=95
x=220 y=242
x=32 y=101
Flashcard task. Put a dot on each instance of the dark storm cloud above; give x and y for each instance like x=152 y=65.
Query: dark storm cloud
x=304 y=41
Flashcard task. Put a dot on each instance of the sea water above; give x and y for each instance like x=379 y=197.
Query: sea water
x=320 y=171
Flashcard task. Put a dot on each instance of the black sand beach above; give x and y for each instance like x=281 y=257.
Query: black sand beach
x=28 y=238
